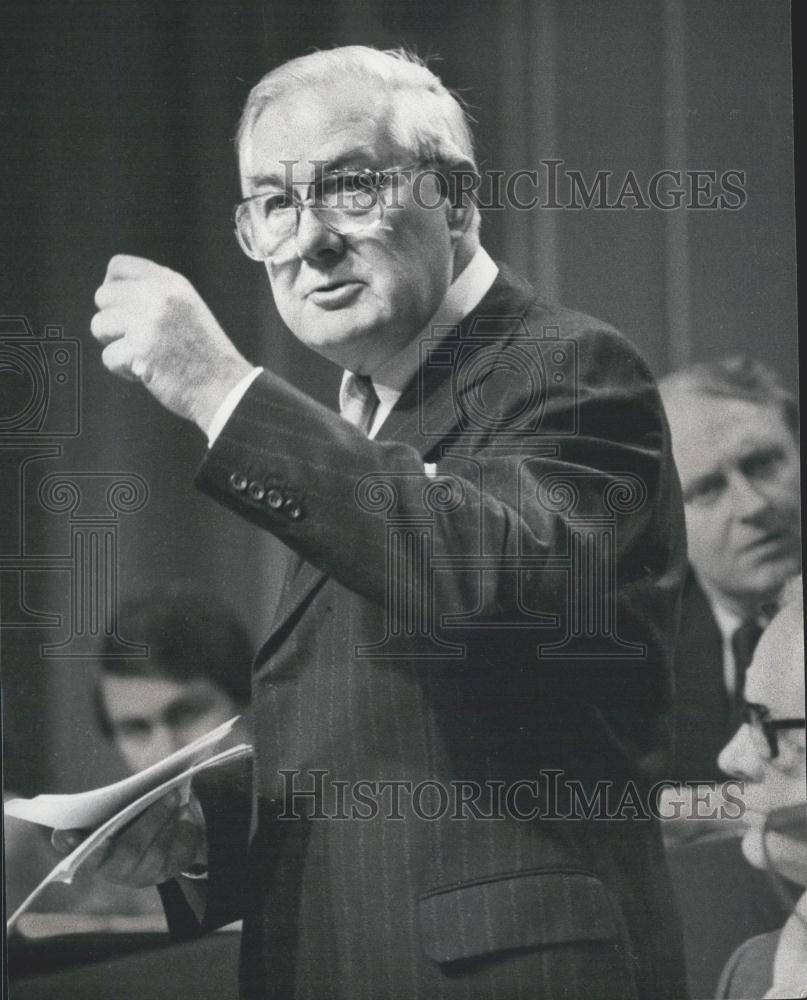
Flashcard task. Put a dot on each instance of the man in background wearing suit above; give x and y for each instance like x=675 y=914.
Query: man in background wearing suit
x=734 y=430
x=735 y=440
x=487 y=558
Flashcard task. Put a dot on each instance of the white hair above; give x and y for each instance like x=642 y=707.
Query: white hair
x=424 y=116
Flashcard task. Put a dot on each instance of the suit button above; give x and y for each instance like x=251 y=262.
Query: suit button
x=238 y=481
x=256 y=491
x=274 y=499
x=293 y=509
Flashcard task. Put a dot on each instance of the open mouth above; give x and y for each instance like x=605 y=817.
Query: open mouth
x=335 y=293
x=332 y=284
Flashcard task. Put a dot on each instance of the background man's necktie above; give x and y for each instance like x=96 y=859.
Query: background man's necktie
x=360 y=402
x=743 y=643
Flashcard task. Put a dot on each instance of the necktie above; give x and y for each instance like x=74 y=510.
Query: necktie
x=743 y=643
x=359 y=401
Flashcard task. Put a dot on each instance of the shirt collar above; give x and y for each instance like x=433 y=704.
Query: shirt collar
x=727 y=621
x=462 y=296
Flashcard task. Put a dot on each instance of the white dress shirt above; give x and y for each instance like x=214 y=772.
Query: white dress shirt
x=462 y=296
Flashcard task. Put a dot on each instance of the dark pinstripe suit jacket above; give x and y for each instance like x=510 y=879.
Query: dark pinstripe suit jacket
x=391 y=903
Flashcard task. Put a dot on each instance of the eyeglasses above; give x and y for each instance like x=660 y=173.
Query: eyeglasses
x=345 y=201
x=765 y=730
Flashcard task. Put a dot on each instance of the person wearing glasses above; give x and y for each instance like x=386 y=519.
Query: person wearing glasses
x=489 y=549
x=767 y=753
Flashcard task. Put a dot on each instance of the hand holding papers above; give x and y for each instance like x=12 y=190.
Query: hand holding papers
x=105 y=811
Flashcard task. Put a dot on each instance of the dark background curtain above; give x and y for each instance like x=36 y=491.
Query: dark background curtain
x=117 y=131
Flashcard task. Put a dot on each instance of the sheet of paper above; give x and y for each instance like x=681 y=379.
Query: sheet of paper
x=67 y=867
x=86 y=810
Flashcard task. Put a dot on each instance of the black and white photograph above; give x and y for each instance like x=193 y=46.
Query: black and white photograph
x=400 y=551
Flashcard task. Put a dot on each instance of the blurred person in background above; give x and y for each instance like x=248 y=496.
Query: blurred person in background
x=195 y=676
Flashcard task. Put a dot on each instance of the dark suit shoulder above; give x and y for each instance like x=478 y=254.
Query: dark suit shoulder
x=606 y=360
x=695 y=604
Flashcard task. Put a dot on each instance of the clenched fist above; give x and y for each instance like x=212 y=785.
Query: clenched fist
x=157 y=330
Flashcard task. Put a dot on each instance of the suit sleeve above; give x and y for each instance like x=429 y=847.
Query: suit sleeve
x=225 y=796
x=298 y=470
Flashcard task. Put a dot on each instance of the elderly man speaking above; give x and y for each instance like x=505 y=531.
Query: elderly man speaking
x=477 y=620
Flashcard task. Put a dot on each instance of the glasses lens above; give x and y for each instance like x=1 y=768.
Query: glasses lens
x=348 y=202
x=243 y=230
x=264 y=224
x=353 y=193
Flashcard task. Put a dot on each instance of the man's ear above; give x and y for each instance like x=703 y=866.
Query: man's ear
x=459 y=221
x=463 y=182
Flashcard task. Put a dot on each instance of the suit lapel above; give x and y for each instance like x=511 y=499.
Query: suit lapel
x=425 y=414
x=422 y=418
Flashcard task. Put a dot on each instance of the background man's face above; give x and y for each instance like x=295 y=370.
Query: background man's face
x=774 y=679
x=151 y=717
x=358 y=299
x=739 y=468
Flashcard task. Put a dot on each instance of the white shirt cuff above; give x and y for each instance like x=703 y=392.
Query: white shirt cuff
x=228 y=405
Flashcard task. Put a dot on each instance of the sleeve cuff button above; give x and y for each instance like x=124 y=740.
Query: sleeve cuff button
x=294 y=510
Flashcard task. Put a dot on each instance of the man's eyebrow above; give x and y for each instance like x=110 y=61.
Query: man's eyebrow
x=764 y=449
x=703 y=482
x=358 y=156
x=264 y=180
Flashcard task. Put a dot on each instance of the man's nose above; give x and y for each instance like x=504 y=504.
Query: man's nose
x=740 y=759
x=314 y=239
x=749 y=499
